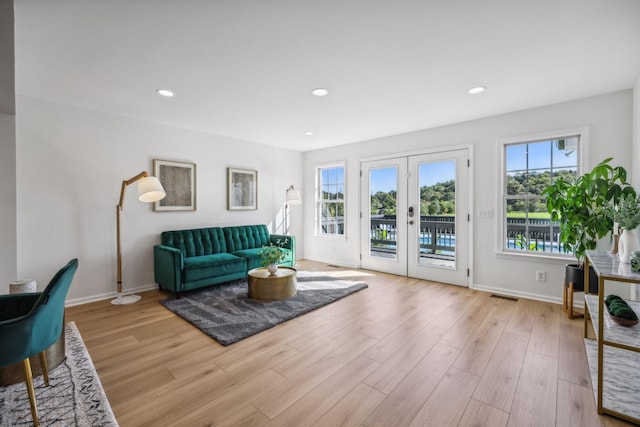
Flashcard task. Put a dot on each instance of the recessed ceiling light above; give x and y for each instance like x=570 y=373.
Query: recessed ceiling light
x=165 y=92
x=308 y=133
x=320 y=92
x=476 y=90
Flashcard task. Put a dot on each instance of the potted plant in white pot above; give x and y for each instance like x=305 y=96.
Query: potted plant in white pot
x=627 y=217
x=585 y=210
x=272 y=254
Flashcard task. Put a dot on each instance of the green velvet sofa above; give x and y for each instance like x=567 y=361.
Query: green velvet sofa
x=195 y=258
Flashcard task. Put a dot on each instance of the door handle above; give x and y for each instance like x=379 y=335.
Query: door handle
x=410 y=212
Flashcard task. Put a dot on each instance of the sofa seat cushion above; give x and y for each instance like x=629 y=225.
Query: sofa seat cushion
x=252 y=256
x=206 y=266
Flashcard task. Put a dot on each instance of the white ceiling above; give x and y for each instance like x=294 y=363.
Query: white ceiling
x=245 y=68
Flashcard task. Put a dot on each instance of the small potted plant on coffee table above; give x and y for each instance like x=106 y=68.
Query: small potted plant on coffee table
x=272 y=254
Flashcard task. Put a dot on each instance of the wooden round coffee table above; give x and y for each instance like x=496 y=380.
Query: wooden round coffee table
x=264 y=286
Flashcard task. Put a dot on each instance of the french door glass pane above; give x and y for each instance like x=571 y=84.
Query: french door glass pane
x=383 y=201
x=437 y=213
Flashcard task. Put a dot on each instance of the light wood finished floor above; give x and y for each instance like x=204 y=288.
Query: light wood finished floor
x=403 y=352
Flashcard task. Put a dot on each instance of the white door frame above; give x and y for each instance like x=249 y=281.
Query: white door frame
x=470 y=186
x=440 y=270
x=397 y=263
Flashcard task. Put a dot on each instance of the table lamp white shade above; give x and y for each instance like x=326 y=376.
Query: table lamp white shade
x=150 y=189
x=293 y=196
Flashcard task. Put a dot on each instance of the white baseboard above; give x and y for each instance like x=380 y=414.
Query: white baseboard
x=109 y=295
x=332 y=262
x=577 y=302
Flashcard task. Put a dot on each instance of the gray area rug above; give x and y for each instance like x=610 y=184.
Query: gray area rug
x=74 y=397
x=226 y=314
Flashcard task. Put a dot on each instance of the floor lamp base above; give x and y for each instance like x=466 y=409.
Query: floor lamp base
x=126 y=299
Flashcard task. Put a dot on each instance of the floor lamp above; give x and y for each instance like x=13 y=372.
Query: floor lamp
x=293 y=198
x=149 y=190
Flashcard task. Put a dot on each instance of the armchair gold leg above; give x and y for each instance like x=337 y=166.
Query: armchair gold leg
x=43 y=364
x=32 y=394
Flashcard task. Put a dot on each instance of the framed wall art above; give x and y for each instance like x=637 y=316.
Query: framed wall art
x=179 y=182
x=242 y=189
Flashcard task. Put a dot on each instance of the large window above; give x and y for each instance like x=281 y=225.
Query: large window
x=330 y=200
x=529 y=167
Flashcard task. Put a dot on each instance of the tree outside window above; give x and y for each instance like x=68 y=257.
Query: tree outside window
x=529 y=168
x=330 y=200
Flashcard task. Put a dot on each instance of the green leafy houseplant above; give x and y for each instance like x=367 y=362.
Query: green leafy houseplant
x=273 y=253
x=585 y=208
x=628 y=213
x=585 y=211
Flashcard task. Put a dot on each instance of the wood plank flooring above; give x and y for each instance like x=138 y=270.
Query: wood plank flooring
x=404 y=352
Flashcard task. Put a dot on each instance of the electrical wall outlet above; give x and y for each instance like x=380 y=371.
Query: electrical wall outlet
x=541 y=276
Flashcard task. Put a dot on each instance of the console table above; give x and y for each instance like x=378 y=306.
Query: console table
x=614 y=356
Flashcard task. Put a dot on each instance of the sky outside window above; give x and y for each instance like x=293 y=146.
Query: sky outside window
x=542 y=155
x=385 y=179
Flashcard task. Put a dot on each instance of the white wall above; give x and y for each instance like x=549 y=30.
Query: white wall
x=70 y=166
x=8 y=260
x=636 y=135
x=636 y=149
x=609 y=118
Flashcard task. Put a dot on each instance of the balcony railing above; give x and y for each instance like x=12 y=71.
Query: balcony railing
x=438 y=234
x=538 y=235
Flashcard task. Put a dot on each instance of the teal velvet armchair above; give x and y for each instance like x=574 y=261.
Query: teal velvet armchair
x=32 y=322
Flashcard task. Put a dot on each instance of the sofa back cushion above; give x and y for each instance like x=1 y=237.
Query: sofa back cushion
x=196 y=242
x=246 y=237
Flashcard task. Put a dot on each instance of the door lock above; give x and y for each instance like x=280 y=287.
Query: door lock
x=410 y=212
x=411 y=222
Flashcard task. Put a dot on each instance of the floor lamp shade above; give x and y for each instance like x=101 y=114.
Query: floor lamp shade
x=149 y=190
x=293 y=196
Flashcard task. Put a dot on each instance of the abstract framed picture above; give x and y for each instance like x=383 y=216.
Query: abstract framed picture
x=179 y=182
x=242 y=189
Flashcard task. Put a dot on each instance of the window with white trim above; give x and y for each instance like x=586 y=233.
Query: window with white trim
x=330 y=197
x=528 y=168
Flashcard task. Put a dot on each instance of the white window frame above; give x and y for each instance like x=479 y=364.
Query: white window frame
x=319 y=202
x=501 y=226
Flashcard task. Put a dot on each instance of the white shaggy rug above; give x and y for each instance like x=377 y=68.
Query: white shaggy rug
x=74 y=397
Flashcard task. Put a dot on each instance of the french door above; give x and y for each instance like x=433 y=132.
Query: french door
x=383 y=214
x=414 y=216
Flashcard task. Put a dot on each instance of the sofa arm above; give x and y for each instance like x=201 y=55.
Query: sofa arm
x=290 y=244
x=168 y=263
